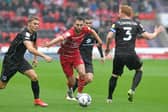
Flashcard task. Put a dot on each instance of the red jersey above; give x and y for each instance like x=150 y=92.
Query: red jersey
x=72 y=40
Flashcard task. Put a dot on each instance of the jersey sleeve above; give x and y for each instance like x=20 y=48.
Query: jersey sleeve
x=87 y=29
x=67 y=34
x=140 y=29
x=113 y=27
x=26 y=36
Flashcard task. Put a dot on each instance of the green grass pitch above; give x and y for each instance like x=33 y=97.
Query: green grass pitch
x=151 y=95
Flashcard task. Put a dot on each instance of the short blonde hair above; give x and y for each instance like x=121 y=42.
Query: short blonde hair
x=127 y=10
x=32 y=18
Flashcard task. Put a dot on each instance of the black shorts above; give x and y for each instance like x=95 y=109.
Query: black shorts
x=88 y=63
x=10 y=67
x=131 y=61
x=89 y=67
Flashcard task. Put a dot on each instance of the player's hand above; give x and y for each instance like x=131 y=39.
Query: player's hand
x=48 y=58
x=34 y=63
x=107 y=50
x=159 y=29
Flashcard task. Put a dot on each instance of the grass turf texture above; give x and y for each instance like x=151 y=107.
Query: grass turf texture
x=151 y=95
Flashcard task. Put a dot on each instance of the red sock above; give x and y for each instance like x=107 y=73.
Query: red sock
x=81 y=84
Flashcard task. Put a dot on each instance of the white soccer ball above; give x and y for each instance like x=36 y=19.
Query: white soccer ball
x=84 y=100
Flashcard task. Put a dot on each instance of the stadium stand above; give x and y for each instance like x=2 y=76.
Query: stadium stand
x=56 y=16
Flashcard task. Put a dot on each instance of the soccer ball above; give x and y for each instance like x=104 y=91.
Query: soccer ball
x=84 y=100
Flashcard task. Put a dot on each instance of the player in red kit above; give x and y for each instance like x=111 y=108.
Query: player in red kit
x=70 y=57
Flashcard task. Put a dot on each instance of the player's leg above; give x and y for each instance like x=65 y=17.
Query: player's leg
x=2 y=85
x=136 y=79
x=35 y=87
x=88 y=77
x=135 y=82
x=134 y=63
x=5 y=77
x=8 y=70
x=76 y=83
x=26 y=68
x=82 y=75
x=68 y=71
x=118 y=66
x=111 y=87
x=70 y=83
x=80 y=67
x=89 y=72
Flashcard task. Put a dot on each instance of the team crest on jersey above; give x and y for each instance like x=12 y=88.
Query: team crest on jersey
x=89 y=28
x=113 y=26
x=67 y=34
x=141 y=25
x=88 y=41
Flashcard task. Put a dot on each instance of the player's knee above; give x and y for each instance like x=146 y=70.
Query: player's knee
x=140 y=68
x=71 y=83
x=2 y=85
x=82 y=74
x=89 y=78
x=34 y=78
x=31 y=74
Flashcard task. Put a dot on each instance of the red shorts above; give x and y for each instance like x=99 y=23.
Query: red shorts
x=69 y=63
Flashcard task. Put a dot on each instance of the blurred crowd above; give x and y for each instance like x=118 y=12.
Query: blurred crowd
x=14 y=13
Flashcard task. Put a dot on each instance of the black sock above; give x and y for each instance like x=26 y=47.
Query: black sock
x=35 y=88
x=76 y=84
x=136 y=79
x=112 y=85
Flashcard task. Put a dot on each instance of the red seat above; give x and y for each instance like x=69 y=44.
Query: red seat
x=141 y=43
x=12 y=36
x=41 y=41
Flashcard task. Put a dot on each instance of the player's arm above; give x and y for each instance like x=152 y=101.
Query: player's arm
x=108 y=41
x=101 y=53
x=35 y=62
x=54 y=41
x=156 y=32
x=96 y=36
x=100 y=49
x=30 y=47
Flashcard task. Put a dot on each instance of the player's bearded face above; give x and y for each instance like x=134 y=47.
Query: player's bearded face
x=78 y=25
x=34 y=25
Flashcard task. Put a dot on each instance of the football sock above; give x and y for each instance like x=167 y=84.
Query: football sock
x=136 y=79
x=76 y=84
x=81 y=84
x=35 y=89
x=112 y=85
